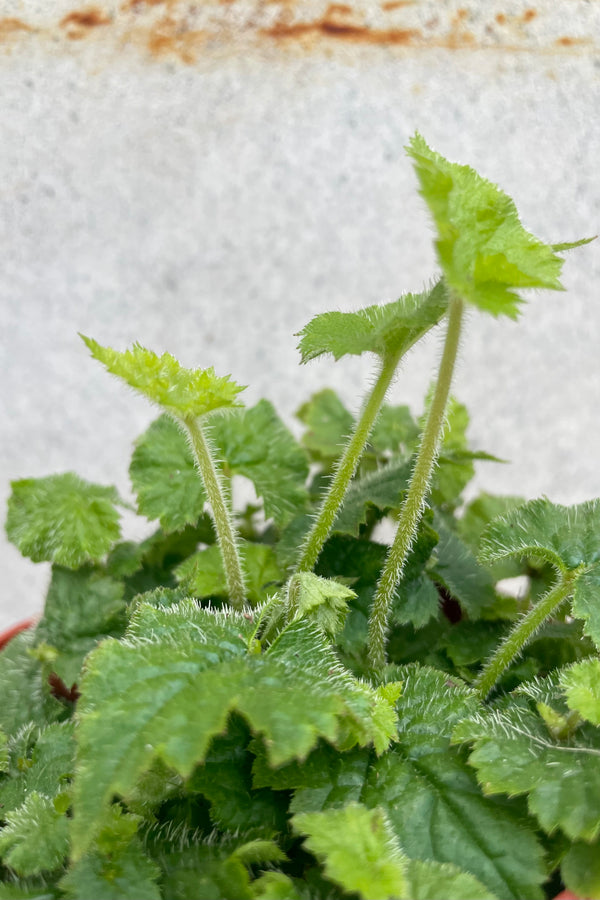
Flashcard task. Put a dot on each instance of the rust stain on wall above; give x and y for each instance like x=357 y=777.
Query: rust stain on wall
x=184 y=29
x=76 y=24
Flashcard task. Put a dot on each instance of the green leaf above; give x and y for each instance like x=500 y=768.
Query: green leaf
x=516 y=752
x=566 y=537
x=116 y=868
x=165 y=478
x=570 y=245
x=40 y=761
x=580 y=869
x=385 y=329
x=581 y=684
x=36 y=836
x=358 y=849
x=177 y=678
x=430 y=880
x=395 y=431
x=202 y=574
x=483 y=250
x=382 y=489
x=207 y=871
x=277 y=886
x=319 y=600
x=186 y=393
x=37 y=888
x=416 y=599
x=429 y=793
x=473 y=521
x=457 y=569
x=62 y=519
x=256 y=444
x=24 y=698
x=328 y=424
x=3 y=752
x=81 y=608
x=224 y=778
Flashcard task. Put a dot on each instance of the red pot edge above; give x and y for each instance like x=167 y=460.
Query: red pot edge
x=9 y=633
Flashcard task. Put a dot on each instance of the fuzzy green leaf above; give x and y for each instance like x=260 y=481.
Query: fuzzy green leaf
x=36 y=836
x=116 y=868
x=483 y=250
x=358 y=848
x=517 y=752
x=41 y=761
x=395 y=431
x=580 y=869
x=430 y=880
x=581 y=684
x=186 y=393
x=386 y=329
x=177 y=678
x=382 y=489
x=81 y=608
x=165 y=478
x=210 y=871
x=429 y=793
x=567 y=537
x=62 y=519
x=319 y=600
x=224 y=778
x=256 y=444
x=202 y=574
x=24 y=696
x=328 y=424
x=457 y=569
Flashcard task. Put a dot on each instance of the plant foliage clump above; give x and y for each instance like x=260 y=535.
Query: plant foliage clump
x=270 y=703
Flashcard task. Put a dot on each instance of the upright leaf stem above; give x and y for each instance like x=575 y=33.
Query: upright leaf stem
x=220 y=509
x=522 y=633
x=347 y=466
x=418 y=488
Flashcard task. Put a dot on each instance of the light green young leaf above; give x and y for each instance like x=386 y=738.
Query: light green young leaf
x=516 y=752
x=581 y=684
x=276 y=886
x=385 y=329
x=62 y=519
x=3 y=752
x=202 y=574
x=431 y=880
x=177 y=678
x=483 y=250
x=256 y=444
x=580 y=869
x=165 y=478
x=35 y=838
x=358 y=849
x=566 y=537
x=319 y=600
x=186 y=393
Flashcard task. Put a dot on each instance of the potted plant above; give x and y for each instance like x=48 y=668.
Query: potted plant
x=269 y=702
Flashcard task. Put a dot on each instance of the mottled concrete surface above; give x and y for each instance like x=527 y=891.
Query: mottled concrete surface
x=205 y=177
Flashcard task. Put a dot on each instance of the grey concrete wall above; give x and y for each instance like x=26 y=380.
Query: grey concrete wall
x=206 y=177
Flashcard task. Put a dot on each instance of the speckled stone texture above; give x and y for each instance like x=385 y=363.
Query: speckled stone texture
x=206 y=177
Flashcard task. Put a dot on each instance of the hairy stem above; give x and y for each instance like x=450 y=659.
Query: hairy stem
x=412 y=509
x=347 y=467
x=220 y=510
x=522 y=633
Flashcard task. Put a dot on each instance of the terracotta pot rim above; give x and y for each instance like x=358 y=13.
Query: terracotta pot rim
x=7 y=634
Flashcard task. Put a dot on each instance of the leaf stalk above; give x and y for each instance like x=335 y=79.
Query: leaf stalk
x=226 y=537
x=347 y=465
x=522 y=633
x=414 y=503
